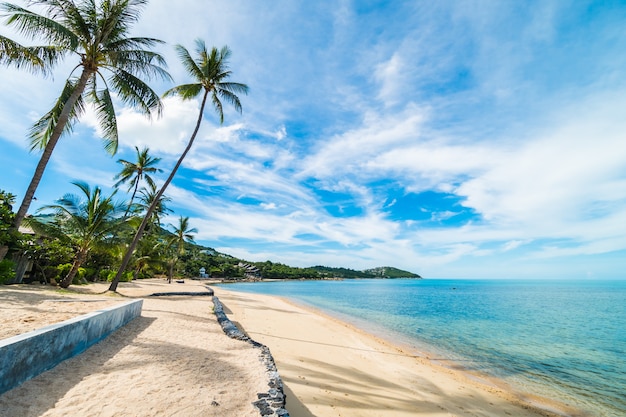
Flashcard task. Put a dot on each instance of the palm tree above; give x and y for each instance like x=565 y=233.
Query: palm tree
x=182 y=234
x=146 y=197
x=134 y=172
x=210 y=72
x=84 y=222
x=97 y=33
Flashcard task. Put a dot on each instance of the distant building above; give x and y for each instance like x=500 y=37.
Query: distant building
x=250 y=272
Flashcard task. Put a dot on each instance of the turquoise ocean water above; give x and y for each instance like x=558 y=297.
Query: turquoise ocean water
x=564 y=340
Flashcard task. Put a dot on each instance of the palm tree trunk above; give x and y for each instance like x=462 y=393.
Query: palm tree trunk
x=170 y=272
x=45 y=156
x=132 y=197
x=4 y=249
x=80 y=258
x=142 y=226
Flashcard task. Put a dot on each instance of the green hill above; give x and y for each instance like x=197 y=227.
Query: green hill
x=380 y=272
x=390 y=272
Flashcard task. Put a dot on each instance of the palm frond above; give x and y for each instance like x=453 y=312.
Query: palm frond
x=234 y=87
x=45 y=228
x=231 y=98
x=41 y=131
x=147 y=63
x=33 y=25
x=135 y=92
x=189 y=63
x=33 y=58
x=217 y=104
x=185 y=91
x=80 y=19
x=103 y=105
x=126 y=173
x=129 y=44
x=115 y=20
x=86 y=220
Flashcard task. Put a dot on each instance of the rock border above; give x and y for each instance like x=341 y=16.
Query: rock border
x=272 y=402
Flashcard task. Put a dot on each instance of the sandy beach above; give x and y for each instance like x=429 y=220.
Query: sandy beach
x=175 y=360
x=332 y=369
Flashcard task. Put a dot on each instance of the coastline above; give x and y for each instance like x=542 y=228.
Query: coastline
x=332 y=368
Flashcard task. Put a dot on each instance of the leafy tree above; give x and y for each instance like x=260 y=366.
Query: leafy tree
x=46 y=254
x=135 y=172
x=85 y=222
x=9 y=236
x=97 y=33
x=210 y=72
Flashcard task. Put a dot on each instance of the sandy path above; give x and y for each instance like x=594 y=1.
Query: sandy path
x=174 y=360
x=331 y=369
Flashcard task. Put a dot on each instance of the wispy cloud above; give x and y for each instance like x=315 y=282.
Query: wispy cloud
x=510 y=117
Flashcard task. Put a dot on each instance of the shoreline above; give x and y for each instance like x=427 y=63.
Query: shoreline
x=410 y=380
x=438 y=358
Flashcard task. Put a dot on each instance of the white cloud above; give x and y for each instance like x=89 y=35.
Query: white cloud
x=492 y=104
x=167 y=135
x=514 y=244
x=389 y=75
x=351 y=152
x=557 y=177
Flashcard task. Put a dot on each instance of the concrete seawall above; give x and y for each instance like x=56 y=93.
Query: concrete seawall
x=27 y=355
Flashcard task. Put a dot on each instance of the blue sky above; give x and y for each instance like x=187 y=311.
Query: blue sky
x=475 y=139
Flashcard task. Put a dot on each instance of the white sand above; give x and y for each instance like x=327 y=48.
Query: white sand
x=174 y=360
x=332 y=369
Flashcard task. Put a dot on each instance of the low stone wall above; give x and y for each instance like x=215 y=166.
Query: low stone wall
x=174 y=293
x=272 y=402
x=27 y=355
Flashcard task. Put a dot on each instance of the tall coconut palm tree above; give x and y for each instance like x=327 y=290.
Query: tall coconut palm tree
x=210 y=72
x=83 y=221
x=97 y=33
x=182 y=234
x=135 y=172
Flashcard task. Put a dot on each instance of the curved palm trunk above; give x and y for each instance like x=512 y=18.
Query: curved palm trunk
x=132 y=197
x=80 y=258
x=144 y=222
x=47 y=153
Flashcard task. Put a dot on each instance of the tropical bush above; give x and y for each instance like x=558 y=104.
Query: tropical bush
x=110 y=275
x=7 y=272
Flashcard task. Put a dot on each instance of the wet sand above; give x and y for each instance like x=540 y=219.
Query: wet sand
x=331 y=369
x=175 y=360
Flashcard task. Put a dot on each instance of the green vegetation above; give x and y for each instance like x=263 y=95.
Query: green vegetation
x=380 y=272
x=135 y=172
x=90 y=236
x=210 y=74
x=82 y=222
x=390 y=272
x=97 y=33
